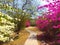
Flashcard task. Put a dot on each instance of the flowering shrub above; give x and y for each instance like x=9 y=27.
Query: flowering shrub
x=27 y=23
x=7 y=27
x=49 y=23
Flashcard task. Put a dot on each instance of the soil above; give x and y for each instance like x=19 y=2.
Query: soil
x=23 y=35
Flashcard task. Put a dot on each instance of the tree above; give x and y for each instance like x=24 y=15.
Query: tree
x=15 y=13
x=29 y=7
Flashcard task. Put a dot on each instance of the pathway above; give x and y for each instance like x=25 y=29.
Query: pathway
x=32 y=39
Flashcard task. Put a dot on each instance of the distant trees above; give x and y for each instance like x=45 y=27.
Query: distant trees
x=29 y=7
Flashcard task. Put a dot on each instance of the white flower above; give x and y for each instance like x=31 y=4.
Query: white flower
x=7 y=29
x=9 y=17
x=11 y=40
x=1 y=36
x=17 y=19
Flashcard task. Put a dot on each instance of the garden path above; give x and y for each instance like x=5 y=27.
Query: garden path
x=32 y=39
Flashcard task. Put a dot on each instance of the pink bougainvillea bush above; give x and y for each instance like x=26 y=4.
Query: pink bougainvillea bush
x=27 y=23
x=49 y=23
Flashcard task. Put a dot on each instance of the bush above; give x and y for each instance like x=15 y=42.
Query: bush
x=50 y=24
x=7 y=27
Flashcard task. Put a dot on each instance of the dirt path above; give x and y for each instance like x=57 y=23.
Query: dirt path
x=32 y=39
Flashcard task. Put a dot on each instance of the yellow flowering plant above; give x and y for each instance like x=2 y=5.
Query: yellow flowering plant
x=7 y=27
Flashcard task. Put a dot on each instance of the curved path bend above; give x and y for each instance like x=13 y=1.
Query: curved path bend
x=32 y=39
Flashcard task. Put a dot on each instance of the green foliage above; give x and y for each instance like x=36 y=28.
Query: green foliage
x=7 y=27
x=18 y=15
x=32 y=21
x=23 y=16
x=11 y=20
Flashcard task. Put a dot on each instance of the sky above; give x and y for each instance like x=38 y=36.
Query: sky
x=36 y=3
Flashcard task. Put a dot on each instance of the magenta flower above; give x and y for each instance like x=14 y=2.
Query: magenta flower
x=27 y=23
x=50 y=24
x=58 y=41
x=59 y=19
x=58 y=35
x=58 y=26
x=55 y=26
